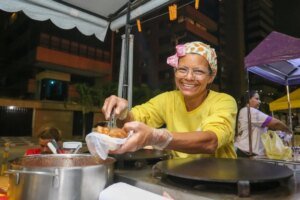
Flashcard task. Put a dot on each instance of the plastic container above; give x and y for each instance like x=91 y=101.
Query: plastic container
x=71 y=147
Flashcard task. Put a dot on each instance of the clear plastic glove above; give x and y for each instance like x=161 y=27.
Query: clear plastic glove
x=119 y=105
x=160 y=138
x=143 y=135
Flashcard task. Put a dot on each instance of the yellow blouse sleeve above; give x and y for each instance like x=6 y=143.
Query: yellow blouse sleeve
x=222 y=120
x=151 y=112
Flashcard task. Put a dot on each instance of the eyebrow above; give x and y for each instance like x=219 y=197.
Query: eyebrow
x=199 y=68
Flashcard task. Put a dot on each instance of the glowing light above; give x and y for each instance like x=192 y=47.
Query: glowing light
x=11 y=107
x=138 y=22
x=173 y=12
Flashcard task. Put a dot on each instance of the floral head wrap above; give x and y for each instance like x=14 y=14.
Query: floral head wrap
x=194 y=48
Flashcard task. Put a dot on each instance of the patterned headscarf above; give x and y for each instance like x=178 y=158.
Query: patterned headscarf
x=195 y=48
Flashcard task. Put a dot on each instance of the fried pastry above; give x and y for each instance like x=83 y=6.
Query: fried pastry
x=114 y=132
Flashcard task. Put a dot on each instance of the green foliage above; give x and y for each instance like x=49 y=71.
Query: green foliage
x=86 y=97
x=94 y=96
x=105 y=91
x=142 y=94
x=91 y=97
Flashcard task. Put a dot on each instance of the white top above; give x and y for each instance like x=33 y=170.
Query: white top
x=259 y=121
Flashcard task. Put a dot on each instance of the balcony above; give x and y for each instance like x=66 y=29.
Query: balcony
x=198 y=31
x=69 y=56
x=199 y=18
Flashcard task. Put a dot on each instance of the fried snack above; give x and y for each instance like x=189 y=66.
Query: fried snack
x=117 y=132
x=114 y=132
x=101 y=129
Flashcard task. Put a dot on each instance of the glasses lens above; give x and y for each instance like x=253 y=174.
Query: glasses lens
x=197 y=74
x=180 y=73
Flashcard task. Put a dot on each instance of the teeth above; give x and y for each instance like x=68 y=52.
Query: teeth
x=188 y=85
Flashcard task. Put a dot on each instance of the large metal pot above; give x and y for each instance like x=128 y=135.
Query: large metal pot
x=59 y=177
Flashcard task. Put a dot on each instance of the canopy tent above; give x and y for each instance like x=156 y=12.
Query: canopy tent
x=88 y=16
x=277 y=58
x=282 y=102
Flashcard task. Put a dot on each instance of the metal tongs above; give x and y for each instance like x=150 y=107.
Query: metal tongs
x=112 y=123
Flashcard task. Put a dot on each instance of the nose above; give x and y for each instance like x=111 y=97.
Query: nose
x=190 y=75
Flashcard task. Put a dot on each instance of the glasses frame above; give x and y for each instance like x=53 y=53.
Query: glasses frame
x=179 y=74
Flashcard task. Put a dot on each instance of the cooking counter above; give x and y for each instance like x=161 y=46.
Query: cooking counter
x=142 y=178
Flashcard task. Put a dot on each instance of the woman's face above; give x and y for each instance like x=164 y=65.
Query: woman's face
x=254 y=101
x=192 y=75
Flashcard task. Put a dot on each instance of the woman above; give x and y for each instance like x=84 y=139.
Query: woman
x=199 y=122
x=260 y=122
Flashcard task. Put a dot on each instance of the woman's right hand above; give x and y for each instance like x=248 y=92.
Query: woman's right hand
x=119 y=105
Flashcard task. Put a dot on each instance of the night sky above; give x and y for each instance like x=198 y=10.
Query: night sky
x=287 y=18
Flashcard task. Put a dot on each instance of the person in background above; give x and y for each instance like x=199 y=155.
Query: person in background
x=260 y=123
x=48 y=134
x=199 y=122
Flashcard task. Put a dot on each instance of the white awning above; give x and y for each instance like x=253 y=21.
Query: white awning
x=62 y=16
x=141 y=10
x=88 y=16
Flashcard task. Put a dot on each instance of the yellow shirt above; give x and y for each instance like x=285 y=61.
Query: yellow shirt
x=217 y=113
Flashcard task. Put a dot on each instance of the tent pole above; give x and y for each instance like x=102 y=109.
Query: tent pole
x=122 y=66
x=130 y=71
x=249 y=116
x=127 y=33
x=290 y=113
x=123 y=87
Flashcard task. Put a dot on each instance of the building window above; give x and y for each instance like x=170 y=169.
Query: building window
x=52 y=89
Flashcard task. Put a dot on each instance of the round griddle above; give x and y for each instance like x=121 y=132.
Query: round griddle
x=223 y=170
x=140 y=158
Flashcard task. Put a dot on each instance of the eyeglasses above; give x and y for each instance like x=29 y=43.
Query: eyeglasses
x=197 y=73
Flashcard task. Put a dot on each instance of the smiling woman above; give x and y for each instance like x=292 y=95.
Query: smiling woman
x=199 y=122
